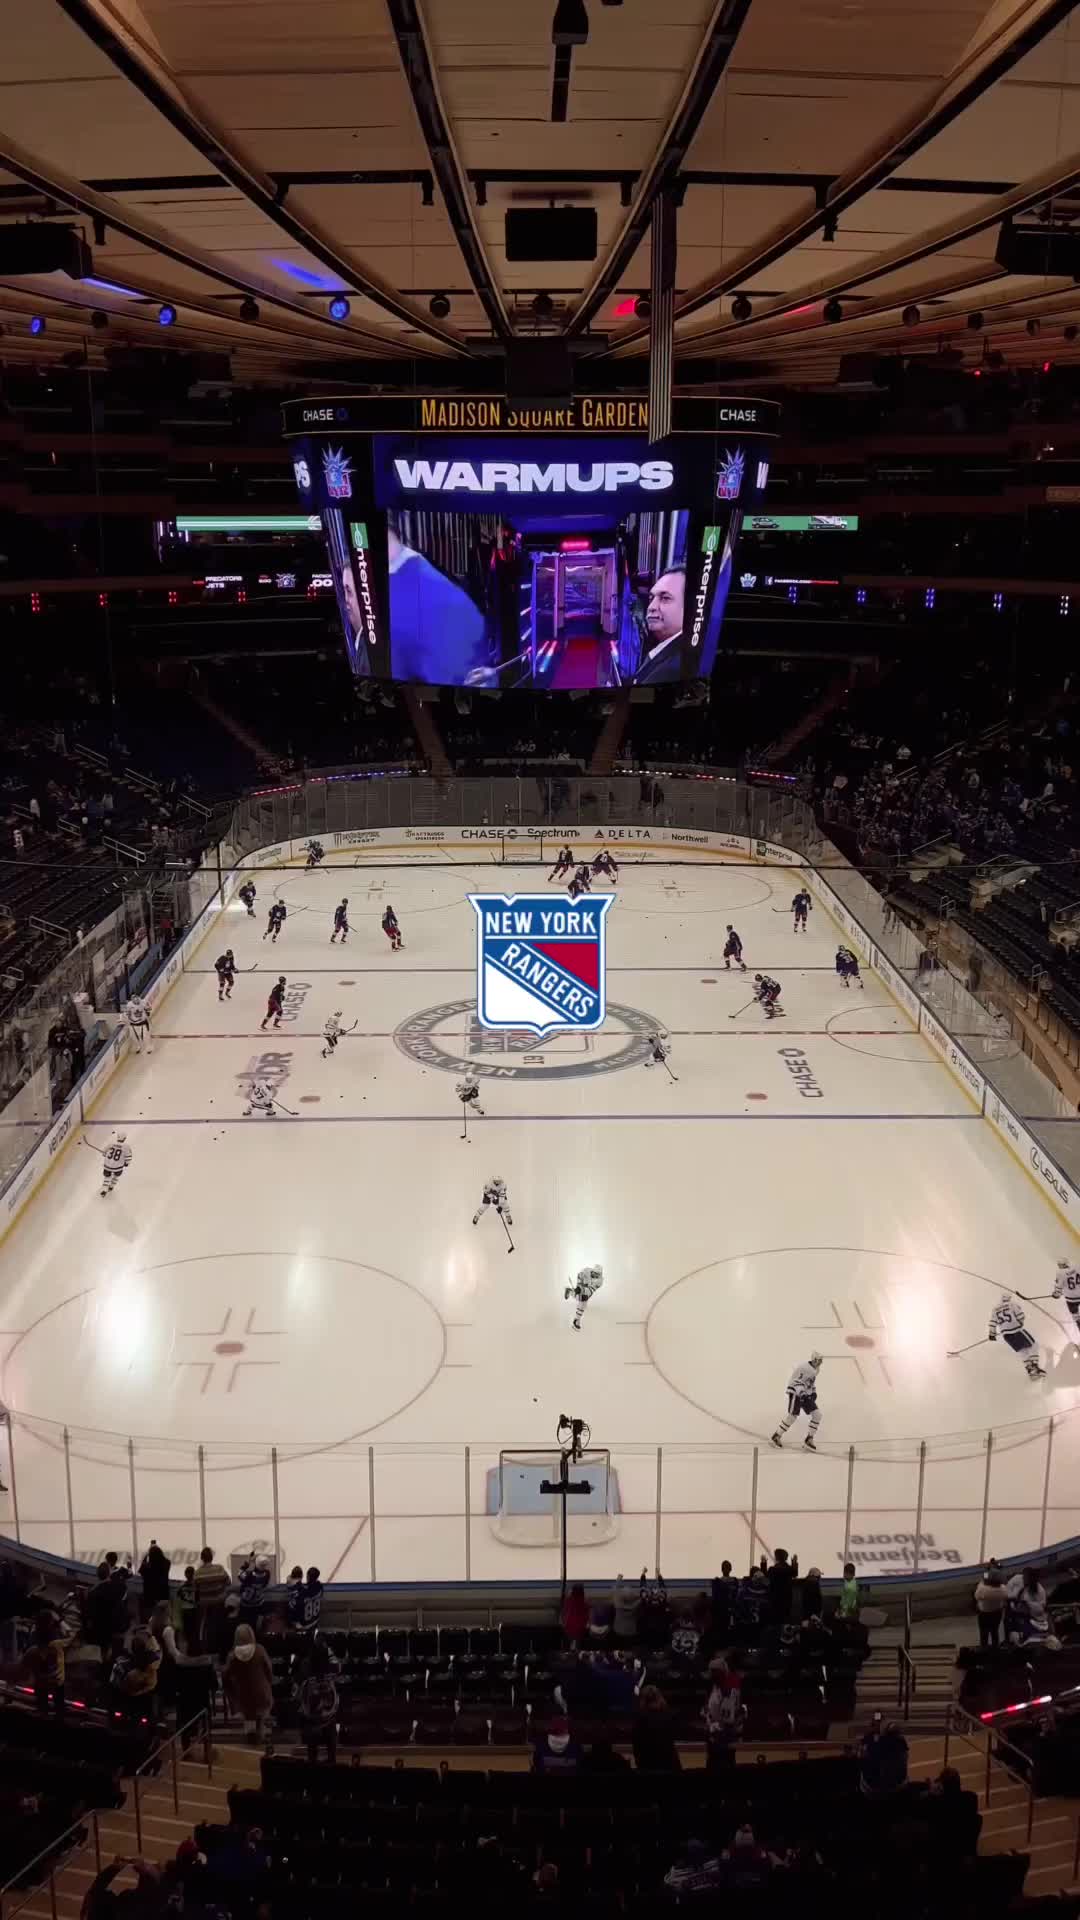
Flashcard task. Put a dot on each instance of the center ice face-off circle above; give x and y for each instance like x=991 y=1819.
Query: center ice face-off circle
x=450 y=1038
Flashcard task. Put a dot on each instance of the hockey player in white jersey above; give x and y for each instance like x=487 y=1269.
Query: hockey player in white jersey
x=589 y=1281
x=260 y=1100
x=801 y=1398
x=332 y=1032
x=1007 y=1319
x=468 y=1092
x=659 y=1049
x=1067 y=1288
x=495 y=1195
x=137 y=1016
x=115 y=1161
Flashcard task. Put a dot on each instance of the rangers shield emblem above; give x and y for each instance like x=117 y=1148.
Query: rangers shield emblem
x=540 y=963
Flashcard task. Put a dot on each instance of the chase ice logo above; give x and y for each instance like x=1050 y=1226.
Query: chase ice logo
x=729 y=479
x=337 y=472
x=540 y=965
x=302 y=473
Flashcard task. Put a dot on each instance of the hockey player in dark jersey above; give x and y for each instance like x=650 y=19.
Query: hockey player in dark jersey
x=562 y=865
x=392 y=930
x=247 y=895
x=316 y=853
x=275 y=1005
x=847 y=966
x=225 y=968
x=800 y=907
x=341 y=923
x=767 y=993
x=275 y=921
x=605 y=864
x=733 y=950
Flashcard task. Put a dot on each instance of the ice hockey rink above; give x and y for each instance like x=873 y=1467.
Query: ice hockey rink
x=297 y=1316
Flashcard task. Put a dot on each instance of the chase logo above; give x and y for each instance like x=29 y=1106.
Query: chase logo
x=539 y=964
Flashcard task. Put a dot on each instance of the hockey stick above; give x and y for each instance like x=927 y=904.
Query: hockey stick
x=1033 y=1296
x=465 y=1121
x=672 y=1076
x=90 y=1144
x=954 y=1353
x=288 y=1110
x=738 y=1010
x=509 y=1235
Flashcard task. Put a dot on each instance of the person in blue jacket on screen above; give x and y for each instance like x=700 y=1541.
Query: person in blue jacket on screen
x=436 y=630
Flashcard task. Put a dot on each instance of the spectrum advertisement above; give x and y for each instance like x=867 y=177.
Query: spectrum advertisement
x=547 y=561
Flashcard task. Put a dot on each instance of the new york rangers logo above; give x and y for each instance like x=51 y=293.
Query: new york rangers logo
x=540 y=964
x=729 y=477
x=337 y=471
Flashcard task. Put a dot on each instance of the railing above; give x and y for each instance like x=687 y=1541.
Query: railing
x=960 y=1725
x=155 y=1760
x=907 y=1680
x=57 y=1864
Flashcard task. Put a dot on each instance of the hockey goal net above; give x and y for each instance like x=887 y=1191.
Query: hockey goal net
x=524 y=1515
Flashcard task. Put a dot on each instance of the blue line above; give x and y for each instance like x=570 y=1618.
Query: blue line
x=452 y=1119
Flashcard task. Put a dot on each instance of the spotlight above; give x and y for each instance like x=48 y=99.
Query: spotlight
x=249 y=308
x=543 y=305
x=741 y=308
x=1031 y=326
x=643 y=306
x=1070 y=332
x=166 y=316
x=570 y=27
x=911 y=316
x=37 y=324
x=339 y=307
x=99 y=321
x=975 y=322
x=438 y=306
x=832 y=311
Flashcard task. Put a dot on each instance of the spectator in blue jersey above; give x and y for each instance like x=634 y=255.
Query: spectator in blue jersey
x=436 y=630
x=305 y=1600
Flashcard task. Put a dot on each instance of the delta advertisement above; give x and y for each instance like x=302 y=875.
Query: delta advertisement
x=557 y=562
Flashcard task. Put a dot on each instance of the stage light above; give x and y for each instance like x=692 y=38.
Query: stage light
x=99 y=321
x=975 y=322
x=642 y=307
x=741 y=308
x=570 y=27
x=438 y=306
x=911 y=316
x=543 y=305
x=1047 y=364
x=166 y=316
x=832 y=311
x=339 y=307
x=249 y=308
x=37 y=324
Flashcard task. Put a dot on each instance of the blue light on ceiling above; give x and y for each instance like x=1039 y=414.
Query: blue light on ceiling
x=37 y=323
x=110 y=286
x=339 y=307
x=304 y=274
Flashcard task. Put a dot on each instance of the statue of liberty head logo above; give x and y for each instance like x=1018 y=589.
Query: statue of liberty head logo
x=729 y=478
x=337 y=471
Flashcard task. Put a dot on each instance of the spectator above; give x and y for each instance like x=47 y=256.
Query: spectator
x=883 y=1761
x=781 y=1577
x=848 y=1604
x=154 y=1574
x=318 y=1705
x=990 y=1599
x=42 y=1664
x=212 y=1584
x=185 y=1680
x=602 y=1758
x=134 y=1676
x=575 y=1615
x=625 y=1601
x=555 y=1751
x=187 y=1607
x=696 y=1869
x=254 y=1580
x=249 y=1683
x=811 y=1594
x=1028 y=1617
x=653 y=1735
x=104 y=1612
x=724 y=1589
x=724 y=1717
x=12 y=1602
x=305 y=1600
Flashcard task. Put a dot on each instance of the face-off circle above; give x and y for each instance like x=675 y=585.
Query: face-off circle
x=226 y=1347
x=451 y=1038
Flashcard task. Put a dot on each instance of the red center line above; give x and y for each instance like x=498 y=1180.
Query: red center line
x=680 y=1033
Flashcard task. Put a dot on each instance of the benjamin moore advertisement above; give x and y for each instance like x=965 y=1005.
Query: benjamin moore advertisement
x=553 y=562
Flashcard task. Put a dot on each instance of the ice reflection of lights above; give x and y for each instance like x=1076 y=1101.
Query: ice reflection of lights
x=915 y=1314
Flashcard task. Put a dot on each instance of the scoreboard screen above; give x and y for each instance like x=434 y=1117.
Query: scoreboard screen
x=509 y=559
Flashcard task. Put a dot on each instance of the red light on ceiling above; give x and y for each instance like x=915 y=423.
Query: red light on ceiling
x=1047 y=364
x=624 y=309
x=575 y=546
x=796 y=310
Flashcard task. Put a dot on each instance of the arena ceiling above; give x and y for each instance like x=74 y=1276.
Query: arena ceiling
x=219 y=152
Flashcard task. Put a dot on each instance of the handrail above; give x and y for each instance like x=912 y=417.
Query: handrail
x=907 y=1680
x=33 y=1892
x=154 y=1760
x=994 y=1747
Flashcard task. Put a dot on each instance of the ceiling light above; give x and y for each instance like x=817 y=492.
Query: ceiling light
x=339 y=307
x=99 y=322
x=438 y=306
x=166 y=316
x=741 y=308
x=570 y=27
x=975 y=322
x=543 y=305
x=1031 y=326
x=1070 y=332
x=642 y=307
x=37 y=323
x=832 y=311
x=249 y=308
x=911 y=316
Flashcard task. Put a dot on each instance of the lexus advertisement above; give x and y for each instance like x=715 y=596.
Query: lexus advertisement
x=561 y=562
